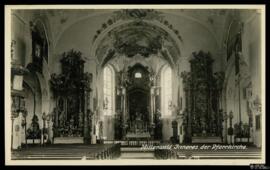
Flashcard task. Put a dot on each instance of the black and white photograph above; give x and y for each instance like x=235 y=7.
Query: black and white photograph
x=135 y=85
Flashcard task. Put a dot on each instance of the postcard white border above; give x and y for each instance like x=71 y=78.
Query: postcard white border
x=8 y=160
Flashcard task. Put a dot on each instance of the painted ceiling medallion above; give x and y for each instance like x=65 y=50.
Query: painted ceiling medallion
x=137 y=42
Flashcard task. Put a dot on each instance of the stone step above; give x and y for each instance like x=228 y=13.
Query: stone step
x=135 y=149
x=137 y=155
x=207 y=139
x=68 y=140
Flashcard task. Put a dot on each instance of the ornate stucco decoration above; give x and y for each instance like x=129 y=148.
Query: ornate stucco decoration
x=137 y=37
x=137 y=15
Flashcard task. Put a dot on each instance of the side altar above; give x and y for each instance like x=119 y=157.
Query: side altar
x=203 y=116
x=71 y=91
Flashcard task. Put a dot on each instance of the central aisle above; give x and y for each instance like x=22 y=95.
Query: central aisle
x=136 y=153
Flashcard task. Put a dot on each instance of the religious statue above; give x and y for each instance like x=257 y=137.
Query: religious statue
x=152 y=78
x=175 y=110
x=55 y=116
x=158 y=114
x=100 y=130
x=203 y=126
x=34 y=131
x=80 y=119
x=62 y=119
x=219 y=78
x=37 y=50
x=71 y=121
x=90 y=116
x=71 y=126
x=138 y=116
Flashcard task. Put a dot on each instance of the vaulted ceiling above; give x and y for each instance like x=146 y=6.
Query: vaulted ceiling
x=145 y=31
x=212 y=19
x=60 y=19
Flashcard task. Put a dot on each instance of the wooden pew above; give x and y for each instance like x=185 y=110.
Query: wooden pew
x=62 y=152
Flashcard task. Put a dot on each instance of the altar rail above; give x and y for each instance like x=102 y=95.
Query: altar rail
x=68 y=152
x=133 y=142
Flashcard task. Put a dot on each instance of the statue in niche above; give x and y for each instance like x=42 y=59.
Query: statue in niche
x=219 y=77
x=81 y=119
x=100 y=130
x=175 y=110
x=62 y=119
x=90 y=117
x=152 y=78
x=203 y=126
x=138 y=116
x=71 y=126
x=126 y=81
x=123 y=78
x=158 y=114
x=54 y=116
x=71 y=122
x=37 y=51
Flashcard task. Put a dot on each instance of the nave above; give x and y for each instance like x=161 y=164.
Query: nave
x=98 y=84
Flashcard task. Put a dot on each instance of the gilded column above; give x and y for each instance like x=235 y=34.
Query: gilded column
x=87 y=112
x=187 y=113
x=152 y=111
x=86 y=132
x=123 y=103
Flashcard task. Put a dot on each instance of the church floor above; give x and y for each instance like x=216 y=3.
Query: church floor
x=108 y=151
x=66 y=152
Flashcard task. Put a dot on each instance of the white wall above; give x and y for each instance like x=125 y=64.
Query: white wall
x=250 y=73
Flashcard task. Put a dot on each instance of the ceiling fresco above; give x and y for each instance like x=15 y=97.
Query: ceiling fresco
x=138 y=37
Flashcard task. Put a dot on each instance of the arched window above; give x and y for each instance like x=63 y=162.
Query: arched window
x=108 y=90
x=138 y=75
x=166 y=91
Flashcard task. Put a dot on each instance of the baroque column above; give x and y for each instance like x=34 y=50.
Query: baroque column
x=87 y=79
x=153 y=93
x=187 y=112
x=152 y=111
x=123 y=108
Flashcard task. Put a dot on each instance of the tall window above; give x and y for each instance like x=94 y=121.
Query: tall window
x=166 y=86
x=108 y=90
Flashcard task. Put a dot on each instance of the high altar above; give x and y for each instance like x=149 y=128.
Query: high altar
x=136 y=103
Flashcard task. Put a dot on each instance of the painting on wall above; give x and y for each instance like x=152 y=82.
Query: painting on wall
x=39 y=47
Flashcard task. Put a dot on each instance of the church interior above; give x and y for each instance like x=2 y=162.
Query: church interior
x=102 y=79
